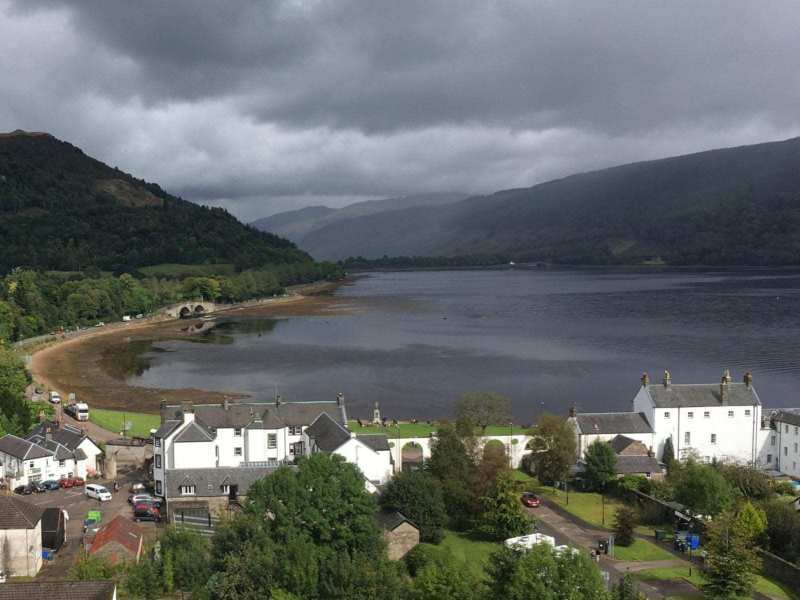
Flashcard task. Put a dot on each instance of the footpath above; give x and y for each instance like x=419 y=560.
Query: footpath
x=567 y=529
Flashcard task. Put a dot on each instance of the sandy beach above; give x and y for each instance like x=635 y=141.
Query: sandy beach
x=84 y=365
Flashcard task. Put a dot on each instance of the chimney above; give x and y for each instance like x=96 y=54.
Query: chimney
x=278 y=400
x=47 y=433
x=723 y=386
x=645 y=379
x=748 y=379
x=163 y=404
x=339 y=399
x=650 y=452
x=667 y=379
x=573 y=411
x=188 y=412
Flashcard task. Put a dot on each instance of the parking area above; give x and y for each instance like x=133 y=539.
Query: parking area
x=77 y=505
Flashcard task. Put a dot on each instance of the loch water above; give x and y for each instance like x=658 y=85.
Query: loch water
x=548 y=339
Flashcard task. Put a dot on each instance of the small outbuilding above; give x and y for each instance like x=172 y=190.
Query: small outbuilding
x=400 y=533
x=118 y=541
x=54 y=528
x=20 y=537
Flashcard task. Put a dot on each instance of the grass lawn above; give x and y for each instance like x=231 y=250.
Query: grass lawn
x=585 y=505
x=763 y=585
x=141 y=423
x=464 y=548
x=412 y=430
x=641 y=550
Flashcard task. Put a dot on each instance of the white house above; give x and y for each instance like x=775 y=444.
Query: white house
x=20 y=536
x=49 y=451
x=707 y=421
x=371 y=453
x=782 y=447
x=591 y=427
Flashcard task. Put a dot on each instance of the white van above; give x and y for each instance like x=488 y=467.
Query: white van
x=97 y=491
x=55 y=397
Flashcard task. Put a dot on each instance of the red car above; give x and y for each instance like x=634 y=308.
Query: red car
x=531 y=500
x=78 y=481
x=66 y=482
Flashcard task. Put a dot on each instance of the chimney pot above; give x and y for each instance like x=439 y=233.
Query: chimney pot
x=748 y=379
x=667 y=379
x=645 y=379
x=573 y=411
x=339 y=399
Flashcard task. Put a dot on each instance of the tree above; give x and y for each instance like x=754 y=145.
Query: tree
x=444 y=579
x=701 y=488
x=668 y=454
x=783 y=529
x=553 y=448
x=15 y=413
x=453 y=467
x=747 y=481
x=91 y=568
x=484 y=409
x=418 y=495
x=543 y=574
x=626 y=590
x=601 y=462
x=189 y=555
x=731 y=560
x=751 y=520
x=624 y=524
x=503 y=516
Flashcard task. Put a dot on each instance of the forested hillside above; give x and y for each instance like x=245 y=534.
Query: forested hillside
x=736 y=206
x=62 y=210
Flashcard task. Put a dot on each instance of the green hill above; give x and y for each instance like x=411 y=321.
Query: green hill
x=735 y=206
x=62 y=210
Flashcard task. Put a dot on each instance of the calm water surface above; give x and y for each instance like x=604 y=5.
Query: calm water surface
x=546 y=339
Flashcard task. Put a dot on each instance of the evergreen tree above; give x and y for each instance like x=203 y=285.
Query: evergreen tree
x=503 y=516
x=601 y=462
x=626 y=590
x=668 y=454
x=731 y=559
x=624 y=524
x=453 y=466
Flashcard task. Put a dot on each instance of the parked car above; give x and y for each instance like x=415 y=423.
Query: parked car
x=38 y=487
x=25 y=490
x=78 y=481
x=146 y=512
x=137 y=488
x=531 y=500
x=66 y=482
x=139 y=498
x=51 y=484
x=98 y=492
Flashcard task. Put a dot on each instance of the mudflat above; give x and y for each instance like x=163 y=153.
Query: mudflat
x=84 y=365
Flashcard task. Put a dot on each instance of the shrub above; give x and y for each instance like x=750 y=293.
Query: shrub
x=624 y=524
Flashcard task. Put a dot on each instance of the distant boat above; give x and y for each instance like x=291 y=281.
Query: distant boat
x=511 y=263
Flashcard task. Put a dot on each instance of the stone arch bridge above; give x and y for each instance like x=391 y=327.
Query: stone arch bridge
x=191 y=308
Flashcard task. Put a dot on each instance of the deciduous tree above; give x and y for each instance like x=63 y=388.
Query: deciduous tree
x=418 y=495
x=701 y=488
x=624 y=524
x=601 y=462
x=484 y=409
x=553 y=448
x=503 y=516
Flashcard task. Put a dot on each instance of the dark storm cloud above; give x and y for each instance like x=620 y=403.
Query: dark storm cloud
x=247 y=100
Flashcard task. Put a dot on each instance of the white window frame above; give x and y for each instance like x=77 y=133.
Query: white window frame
x=687 y=438
x=237 y=432
x=272 y=441
x=730 y=414
x=237 y=451
x=746 y=412
x=707 y=414
x=666 y=414
x=713 y=438
x=187 y=490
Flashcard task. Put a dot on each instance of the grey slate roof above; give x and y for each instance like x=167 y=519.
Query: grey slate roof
x=22 y=449
x=788 y=415
x=57 y=590
x=65 y=435
x=16 y=513
x=377 y=441
x=701 y=394
x=629 y=465
x=167 y=427
x=390 y=520
x=259 y=415
x=620 y=442
x=327 y=434
x=194 y=432
x=606 y=423
x=209 y=482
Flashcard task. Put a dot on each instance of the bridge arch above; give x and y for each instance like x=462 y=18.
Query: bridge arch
x=411 y=457
x=185 y=312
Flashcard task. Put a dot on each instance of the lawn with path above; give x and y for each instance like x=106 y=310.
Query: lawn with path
x=641 y=550
x=140 y=423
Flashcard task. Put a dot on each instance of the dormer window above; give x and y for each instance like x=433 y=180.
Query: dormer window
x=237 y=432
x=187 y=490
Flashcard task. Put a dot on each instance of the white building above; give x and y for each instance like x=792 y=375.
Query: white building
x=47 y=452
x=20 y=537
x=782 y=446
x=707 y=421
x=206 y=455
x=591 y=427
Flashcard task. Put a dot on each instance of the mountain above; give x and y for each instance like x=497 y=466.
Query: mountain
x=63 y=210
x=733 y=206
x=297 y=225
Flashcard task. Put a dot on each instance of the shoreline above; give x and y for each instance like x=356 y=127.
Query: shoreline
x=73 y=365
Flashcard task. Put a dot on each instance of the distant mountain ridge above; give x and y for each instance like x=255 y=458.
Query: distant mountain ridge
x=732 y=206
x=63 y=210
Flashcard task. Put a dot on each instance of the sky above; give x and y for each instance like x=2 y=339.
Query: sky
x=263 y=106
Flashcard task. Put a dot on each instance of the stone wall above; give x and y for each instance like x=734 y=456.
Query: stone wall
x=401 y=539
x=779 y=569
x=22 y=551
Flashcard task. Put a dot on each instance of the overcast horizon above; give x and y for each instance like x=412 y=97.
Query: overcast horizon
x=265 y=107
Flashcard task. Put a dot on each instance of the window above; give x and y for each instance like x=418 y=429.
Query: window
x=666 y=414
x=774 y=439
x=61 y=463
x=730 y=413
x=746 y=412
x=769 y=459
x=158 y=461
x=31 y=465
x=272 y=441
x=707 y=414
x=157 y=442
x=158 y=487
x=713 y=438
x=295 y=430
x=795 y=447
x=187 y=490
x=795 y=430
x=687 y=437
x=226 y=489
x=786 y=429
x=237 y=451
x=794 y=465
x=237 y=432
x=690 y=414
x=786 y=450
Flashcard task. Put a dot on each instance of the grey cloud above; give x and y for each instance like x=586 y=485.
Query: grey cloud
x=246 y=102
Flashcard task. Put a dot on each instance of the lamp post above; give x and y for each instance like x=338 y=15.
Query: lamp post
x=603 y=504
